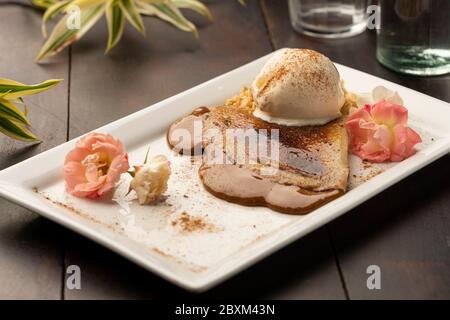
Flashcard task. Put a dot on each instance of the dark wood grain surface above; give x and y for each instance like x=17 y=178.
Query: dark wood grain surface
x=30 y=250
x=404 y=230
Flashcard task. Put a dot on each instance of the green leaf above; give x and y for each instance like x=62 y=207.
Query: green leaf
x=2 y=94
x=16 y=131
x=9 y=111
x=43 y=4
x=146 y=155
x=195 y=5
x=169 y=13
x=116 y=23
x=62 y=36
x=52 y=11
x=129 y=10
x=11 y=90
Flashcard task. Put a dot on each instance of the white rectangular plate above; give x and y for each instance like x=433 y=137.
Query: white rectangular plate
x=193 y=239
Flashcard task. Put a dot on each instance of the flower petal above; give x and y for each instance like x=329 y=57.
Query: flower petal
x=389 y=114
x=363 y=99
x=405 y=140
x=94 y=166
x=74 y=174
x=118 y=166
x=77 y=155
x=89 y=189
x=378 y=133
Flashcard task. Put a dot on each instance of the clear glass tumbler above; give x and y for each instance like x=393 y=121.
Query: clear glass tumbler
x=329 y=18
x=414 y=36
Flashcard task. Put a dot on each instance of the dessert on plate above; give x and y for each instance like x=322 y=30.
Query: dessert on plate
x=298 y=94
x=282 y=143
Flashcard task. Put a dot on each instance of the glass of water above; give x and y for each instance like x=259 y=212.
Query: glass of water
x=414 y=36
x=329 y=18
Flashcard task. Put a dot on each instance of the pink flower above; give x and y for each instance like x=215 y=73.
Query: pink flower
x=379 y=133
x=95 y=165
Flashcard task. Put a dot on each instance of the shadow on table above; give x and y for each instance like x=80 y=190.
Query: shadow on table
x=404 y=231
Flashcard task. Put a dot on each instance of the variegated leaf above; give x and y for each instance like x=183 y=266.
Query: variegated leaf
x=11 y=90
x=52 y=11
x=88 y=3
x=131 y=13
x=169 y=13
x=116 y=23
x=16 y=131
x=62 y=36
x=43 y=4
x=9 y=111
x=193 y=5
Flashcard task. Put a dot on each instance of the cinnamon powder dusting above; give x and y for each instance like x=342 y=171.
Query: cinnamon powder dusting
x=188 y=223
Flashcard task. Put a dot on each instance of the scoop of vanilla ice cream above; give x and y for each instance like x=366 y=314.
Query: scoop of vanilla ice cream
x=298 y=87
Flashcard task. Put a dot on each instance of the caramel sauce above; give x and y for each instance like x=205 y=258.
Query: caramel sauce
x=200 y=111
x=240 y=185
x=299 y=153
x=186 y=125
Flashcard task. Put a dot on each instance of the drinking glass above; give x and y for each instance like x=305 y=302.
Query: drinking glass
x=414 y=36
x=329 y=18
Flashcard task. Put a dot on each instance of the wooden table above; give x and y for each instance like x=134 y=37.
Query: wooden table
x=405 y=230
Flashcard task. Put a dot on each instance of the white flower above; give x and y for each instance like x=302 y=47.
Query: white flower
x=378 y=93
x=150 y=180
